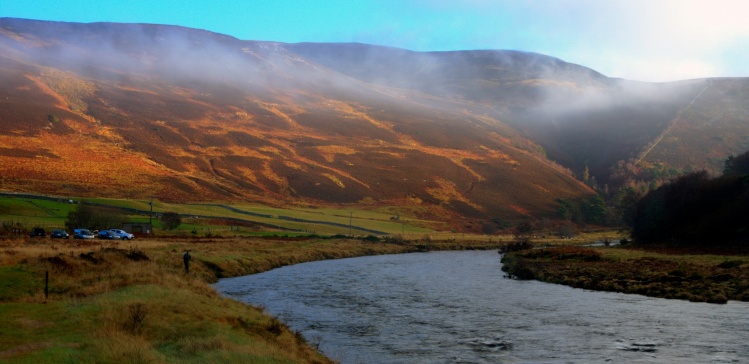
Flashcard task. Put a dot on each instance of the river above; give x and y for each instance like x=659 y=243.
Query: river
x=457 y=307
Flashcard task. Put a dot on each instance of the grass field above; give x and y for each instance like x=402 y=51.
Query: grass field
x=132 y=302
x=203 y=219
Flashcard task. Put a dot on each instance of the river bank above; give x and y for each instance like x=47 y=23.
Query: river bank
x=673 y=274
x=131 y=301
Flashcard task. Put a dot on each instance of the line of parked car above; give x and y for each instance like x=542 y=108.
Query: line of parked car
x=110 y=234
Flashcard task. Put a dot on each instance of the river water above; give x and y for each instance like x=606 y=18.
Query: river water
x=457 y=307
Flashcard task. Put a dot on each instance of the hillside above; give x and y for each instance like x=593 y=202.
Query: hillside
x=140 y=110
x=136 y=110
x=621 y=130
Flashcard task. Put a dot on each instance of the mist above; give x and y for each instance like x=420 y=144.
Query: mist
x=562 y=111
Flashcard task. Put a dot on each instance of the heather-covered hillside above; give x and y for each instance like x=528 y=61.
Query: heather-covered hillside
x=139 y=110
x=182 y=114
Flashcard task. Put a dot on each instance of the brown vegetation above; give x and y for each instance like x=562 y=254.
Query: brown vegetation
x=700 y=278
x=131 y=130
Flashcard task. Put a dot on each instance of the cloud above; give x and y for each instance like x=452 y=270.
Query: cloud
x=644 y=40
x=654 y=40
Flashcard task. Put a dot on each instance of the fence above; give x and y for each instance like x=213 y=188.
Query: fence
x=18 y=228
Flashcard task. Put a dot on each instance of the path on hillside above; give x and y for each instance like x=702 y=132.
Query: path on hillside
x=673 y=122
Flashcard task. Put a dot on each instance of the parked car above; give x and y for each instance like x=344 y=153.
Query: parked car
x=59 y=234
x=37 y=231
x=106 y=234
x=122 y=234
x=82 y=234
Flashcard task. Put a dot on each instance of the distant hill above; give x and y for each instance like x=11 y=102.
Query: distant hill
x=139 y=110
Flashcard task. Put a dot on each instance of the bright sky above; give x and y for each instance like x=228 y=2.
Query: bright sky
x=647 y=40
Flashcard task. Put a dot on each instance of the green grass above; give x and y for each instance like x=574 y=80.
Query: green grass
x=36 y=332
x=94 y=330
x=16 y=281
x=33 y=212
x=52 y=214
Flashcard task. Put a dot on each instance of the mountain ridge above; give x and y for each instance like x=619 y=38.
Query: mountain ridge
x=185 y=114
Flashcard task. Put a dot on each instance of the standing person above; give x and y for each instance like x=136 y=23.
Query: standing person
x=186 y=258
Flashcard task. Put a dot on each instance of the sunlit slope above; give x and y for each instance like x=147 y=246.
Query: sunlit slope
x=185 y=115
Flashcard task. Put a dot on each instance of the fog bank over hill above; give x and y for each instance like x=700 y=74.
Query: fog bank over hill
x=579 y=116
x=186 y=114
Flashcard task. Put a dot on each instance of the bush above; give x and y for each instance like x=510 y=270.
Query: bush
x=170 y=220
x=728 y=264
x=517 y=245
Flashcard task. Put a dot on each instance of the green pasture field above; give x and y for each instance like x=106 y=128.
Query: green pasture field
x=200 y=218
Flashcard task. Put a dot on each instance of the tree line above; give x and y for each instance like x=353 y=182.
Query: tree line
x=100 y=218
x=697 y=209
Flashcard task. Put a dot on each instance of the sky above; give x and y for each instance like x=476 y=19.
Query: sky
x=644 y=40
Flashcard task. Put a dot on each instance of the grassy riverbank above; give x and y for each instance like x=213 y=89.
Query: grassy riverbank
x=131 y=302
x=672 y=273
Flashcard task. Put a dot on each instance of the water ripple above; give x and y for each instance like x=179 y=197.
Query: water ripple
x=456 y=307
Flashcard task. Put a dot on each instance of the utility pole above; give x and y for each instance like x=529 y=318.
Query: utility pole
x=350 y=217
x=150 y=216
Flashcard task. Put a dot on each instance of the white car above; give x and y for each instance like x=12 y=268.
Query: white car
x=121 y=234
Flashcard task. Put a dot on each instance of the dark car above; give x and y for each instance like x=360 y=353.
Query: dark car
x=106 y=234
x=59 y=234
x=37 y=231
x=82 y=234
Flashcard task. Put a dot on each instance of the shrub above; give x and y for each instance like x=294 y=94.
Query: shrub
x=136 y=255
x=170 y=220
x=517 y=245
x=732 y=263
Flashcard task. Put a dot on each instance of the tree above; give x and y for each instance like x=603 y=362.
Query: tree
x=625 y=203
x=524 y=228
x=90 y=217
x=737 y=165
x=594 y=209
x=170 y=220
x=107 y=218
x=566 y=231
x=566 y=209
x=695 y=209
x=586 y=174
x=81 y=217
